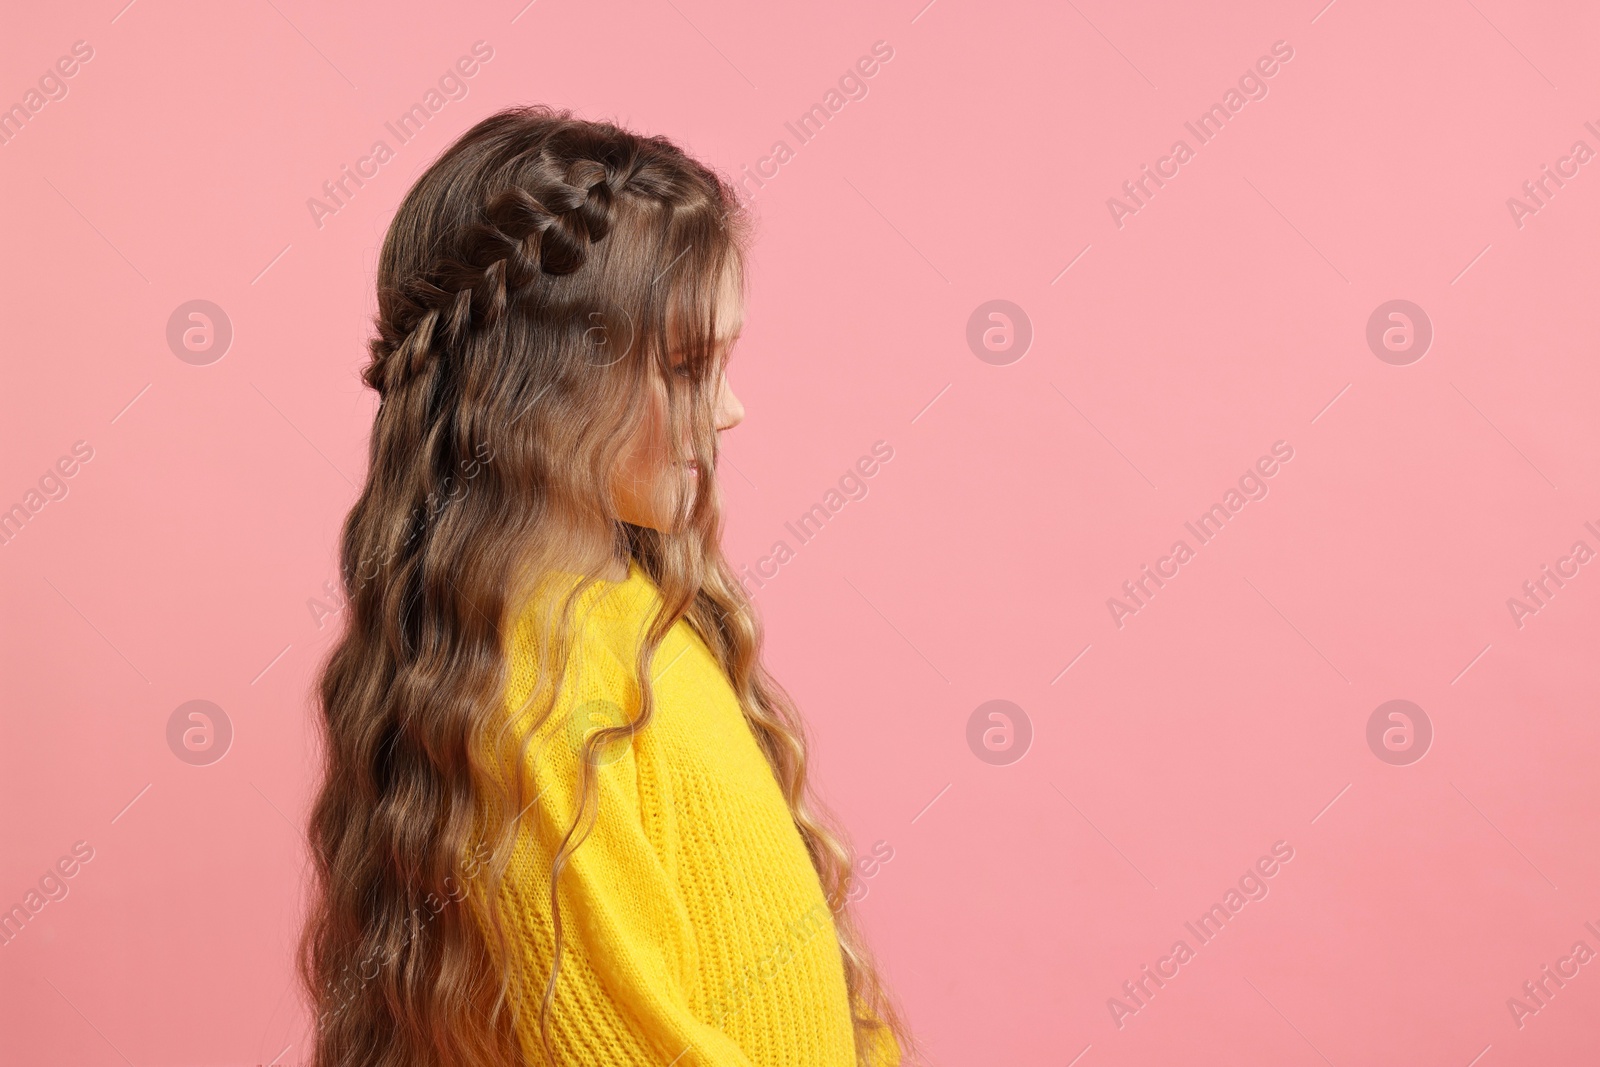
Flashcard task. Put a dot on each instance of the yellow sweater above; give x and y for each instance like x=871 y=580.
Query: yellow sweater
x=695 y=930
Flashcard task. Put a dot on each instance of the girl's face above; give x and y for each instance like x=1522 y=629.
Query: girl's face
x=646 y=480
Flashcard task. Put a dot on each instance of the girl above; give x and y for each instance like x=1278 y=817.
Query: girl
x=565 y=815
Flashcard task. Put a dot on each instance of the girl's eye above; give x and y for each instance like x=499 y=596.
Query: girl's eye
x=682 y=370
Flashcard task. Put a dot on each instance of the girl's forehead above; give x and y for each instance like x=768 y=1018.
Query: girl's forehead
x=728 y=315
x=730 y=309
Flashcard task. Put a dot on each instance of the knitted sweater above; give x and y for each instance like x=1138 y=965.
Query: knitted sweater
x=695 y=929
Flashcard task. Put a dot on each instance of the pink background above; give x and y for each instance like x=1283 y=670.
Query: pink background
x=1228 y=313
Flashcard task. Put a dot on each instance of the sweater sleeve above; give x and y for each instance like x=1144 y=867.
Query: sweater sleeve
x=629 y=951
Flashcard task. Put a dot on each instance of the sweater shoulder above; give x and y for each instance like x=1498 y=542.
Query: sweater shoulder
x=598 y=650
x=548 y=710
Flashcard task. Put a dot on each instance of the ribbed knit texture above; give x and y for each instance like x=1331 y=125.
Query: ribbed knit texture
x=695 y=930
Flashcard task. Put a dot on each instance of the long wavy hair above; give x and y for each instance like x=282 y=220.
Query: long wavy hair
x=524 y=293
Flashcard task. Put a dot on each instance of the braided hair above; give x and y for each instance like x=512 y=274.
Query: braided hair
x=525 y=290
x=524 y=233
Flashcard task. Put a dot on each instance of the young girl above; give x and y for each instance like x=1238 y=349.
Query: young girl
x=565 y=815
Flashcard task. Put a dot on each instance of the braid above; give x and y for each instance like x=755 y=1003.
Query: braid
x=521 y=234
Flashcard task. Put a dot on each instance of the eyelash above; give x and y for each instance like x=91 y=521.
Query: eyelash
x=682 y=369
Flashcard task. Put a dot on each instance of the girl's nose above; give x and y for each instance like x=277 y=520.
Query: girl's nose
x=730 y=412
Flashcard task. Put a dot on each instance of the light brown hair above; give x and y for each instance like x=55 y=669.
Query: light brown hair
x=524 y=290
